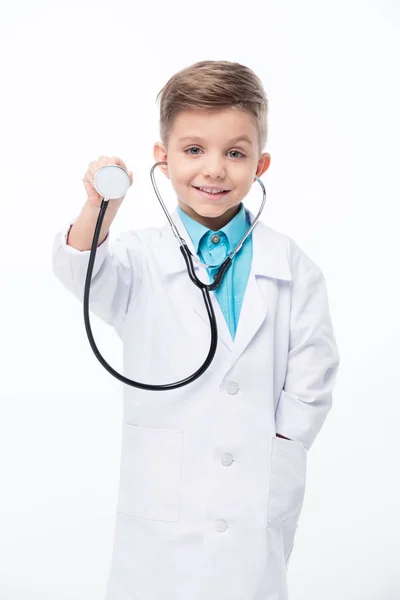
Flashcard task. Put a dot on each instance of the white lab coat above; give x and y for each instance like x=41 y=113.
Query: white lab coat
x=209 y=497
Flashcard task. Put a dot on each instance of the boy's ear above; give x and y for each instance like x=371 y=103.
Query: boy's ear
x=263 y=164
x=160 y=155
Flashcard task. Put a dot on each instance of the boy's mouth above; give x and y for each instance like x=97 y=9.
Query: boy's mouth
x=211 y=196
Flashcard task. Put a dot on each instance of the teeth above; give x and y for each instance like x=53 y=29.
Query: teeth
x=209 y=191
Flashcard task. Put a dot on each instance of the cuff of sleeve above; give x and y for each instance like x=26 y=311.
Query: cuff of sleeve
x=70 y=264
x=63 y=237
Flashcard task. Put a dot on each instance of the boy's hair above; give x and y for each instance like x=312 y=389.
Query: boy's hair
x=209 y=85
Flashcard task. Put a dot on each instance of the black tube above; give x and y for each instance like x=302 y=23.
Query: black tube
x=207 y=301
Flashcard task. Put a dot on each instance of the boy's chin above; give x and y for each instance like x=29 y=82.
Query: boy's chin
x=207 y=209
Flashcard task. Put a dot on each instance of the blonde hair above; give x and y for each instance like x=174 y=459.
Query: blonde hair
x=214 y=85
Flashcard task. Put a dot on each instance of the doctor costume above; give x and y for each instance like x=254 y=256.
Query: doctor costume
x=209 y=497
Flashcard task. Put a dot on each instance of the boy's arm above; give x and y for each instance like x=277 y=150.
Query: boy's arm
x=313 y=357
x=116 y=276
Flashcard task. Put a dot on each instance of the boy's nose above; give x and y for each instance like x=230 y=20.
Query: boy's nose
x=214 y=169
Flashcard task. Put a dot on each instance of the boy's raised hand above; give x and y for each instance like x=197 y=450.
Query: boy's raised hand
x=88 y=180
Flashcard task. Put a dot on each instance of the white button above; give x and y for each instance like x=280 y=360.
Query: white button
x=221 y=525
x=232 y=387
x=215 y=239
x=226 y=459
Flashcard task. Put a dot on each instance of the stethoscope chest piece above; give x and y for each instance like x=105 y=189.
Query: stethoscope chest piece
x=111 y=182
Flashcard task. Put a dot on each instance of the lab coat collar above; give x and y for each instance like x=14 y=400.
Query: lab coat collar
x=267 y=260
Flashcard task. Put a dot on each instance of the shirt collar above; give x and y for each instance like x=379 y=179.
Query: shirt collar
x=234 y=230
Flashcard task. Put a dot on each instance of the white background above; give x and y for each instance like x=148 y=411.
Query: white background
x=78 y=80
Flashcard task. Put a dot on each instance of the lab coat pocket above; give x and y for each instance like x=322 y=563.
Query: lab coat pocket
x=150 y=475
x=288 y=462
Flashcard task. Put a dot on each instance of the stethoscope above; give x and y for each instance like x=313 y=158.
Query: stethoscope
x=112 y=182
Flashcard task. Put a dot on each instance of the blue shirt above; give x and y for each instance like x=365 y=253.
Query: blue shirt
x=231 y=290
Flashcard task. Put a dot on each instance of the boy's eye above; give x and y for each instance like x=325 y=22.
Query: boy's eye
x=197 y=148
x=192 y=148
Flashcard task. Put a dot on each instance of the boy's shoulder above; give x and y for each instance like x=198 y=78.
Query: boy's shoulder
x=300 y=261
x=303 y=269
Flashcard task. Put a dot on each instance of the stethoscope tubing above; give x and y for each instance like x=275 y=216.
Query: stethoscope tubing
x=205 y=289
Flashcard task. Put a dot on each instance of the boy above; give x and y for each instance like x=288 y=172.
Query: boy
x=212 y=474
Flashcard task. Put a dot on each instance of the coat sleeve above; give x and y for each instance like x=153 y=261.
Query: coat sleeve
x=313 y=358
x=116 y=276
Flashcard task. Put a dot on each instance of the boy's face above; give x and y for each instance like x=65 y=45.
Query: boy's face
x=202 y=152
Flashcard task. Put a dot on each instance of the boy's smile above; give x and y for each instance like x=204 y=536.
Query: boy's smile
x=212 y=149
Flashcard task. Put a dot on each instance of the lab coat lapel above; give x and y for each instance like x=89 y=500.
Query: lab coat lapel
x=223 y=331
x=252 y=314
x=270 y=261
x=186 y=297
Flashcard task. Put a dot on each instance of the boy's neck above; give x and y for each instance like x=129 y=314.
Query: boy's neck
x=213 y=223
